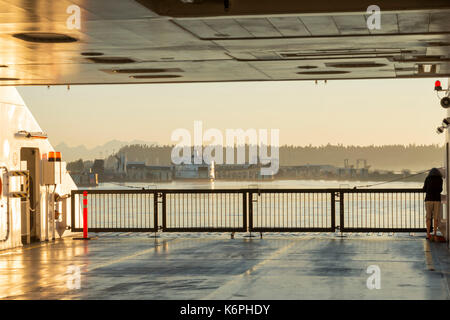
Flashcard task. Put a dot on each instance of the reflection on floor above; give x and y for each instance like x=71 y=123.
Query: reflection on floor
x=191 y=266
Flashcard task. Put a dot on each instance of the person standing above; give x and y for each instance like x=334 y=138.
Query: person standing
x=433 y=188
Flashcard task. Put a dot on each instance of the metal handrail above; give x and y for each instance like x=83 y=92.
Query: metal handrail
x=249 y=209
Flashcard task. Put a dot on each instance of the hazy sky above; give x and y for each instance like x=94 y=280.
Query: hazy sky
x=358 y=112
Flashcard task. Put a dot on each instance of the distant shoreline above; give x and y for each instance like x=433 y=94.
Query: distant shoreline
x=418 y=178
x=240 y=184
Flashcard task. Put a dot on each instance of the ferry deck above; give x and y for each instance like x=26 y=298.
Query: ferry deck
x=188 y=266
x=81 y=42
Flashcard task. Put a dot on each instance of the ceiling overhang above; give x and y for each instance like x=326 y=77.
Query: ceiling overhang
x=216 y=8
x=128 y=41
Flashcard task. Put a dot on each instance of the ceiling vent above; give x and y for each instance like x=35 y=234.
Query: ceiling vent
x=156 y=76
x=147 y=70
x=307 y=67
x=344 y=53
x=405 y=69
x=44 y=37
x=427 y=57
x=422 y=58
x=438 y=44
x=322 y=72
x=111 y=60
x=91 y=54
x=368 y=64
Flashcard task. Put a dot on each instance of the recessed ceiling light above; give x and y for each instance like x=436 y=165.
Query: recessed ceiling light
x=44 y=37
x=428 y=68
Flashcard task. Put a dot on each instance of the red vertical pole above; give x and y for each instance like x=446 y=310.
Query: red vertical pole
x=85 y=215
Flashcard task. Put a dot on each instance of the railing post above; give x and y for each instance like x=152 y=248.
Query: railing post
x=250 y=211
x=155 y=211
x=164 y=211
x=341 y=211
x=72 y=210
x=333 y=211
x=245 y=208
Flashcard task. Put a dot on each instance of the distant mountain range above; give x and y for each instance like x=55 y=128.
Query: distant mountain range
x=102 y=151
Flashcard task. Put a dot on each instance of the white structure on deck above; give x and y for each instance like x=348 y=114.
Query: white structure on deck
x=22 y=220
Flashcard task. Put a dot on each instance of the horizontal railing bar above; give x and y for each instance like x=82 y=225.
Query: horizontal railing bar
x=117 y=230
x=315 y=190
x=153 y=191
x=384 y=230
x=268 y=229
x=176 y=191
x=204 y=229
x=393 y=190
x=113 y=191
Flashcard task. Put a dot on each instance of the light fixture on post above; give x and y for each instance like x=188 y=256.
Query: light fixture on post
x=445 y=101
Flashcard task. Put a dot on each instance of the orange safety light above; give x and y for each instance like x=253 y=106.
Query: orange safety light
x=51 y=156
x=437 y=86
x=58 y=156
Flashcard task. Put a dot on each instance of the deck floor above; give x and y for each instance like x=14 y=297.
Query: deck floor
x=306 y=266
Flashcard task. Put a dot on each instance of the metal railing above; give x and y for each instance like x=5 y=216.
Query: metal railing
x=204 y=210
x=116 y=210
x=382 y=210
x=278 y=210
x=258 y=210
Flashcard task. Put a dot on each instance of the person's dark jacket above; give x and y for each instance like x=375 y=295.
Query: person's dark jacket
x=433 y=185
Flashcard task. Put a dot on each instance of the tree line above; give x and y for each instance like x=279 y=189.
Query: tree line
x=384 y=157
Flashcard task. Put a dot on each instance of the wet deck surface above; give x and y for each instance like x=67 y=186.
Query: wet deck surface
x=131 y=266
